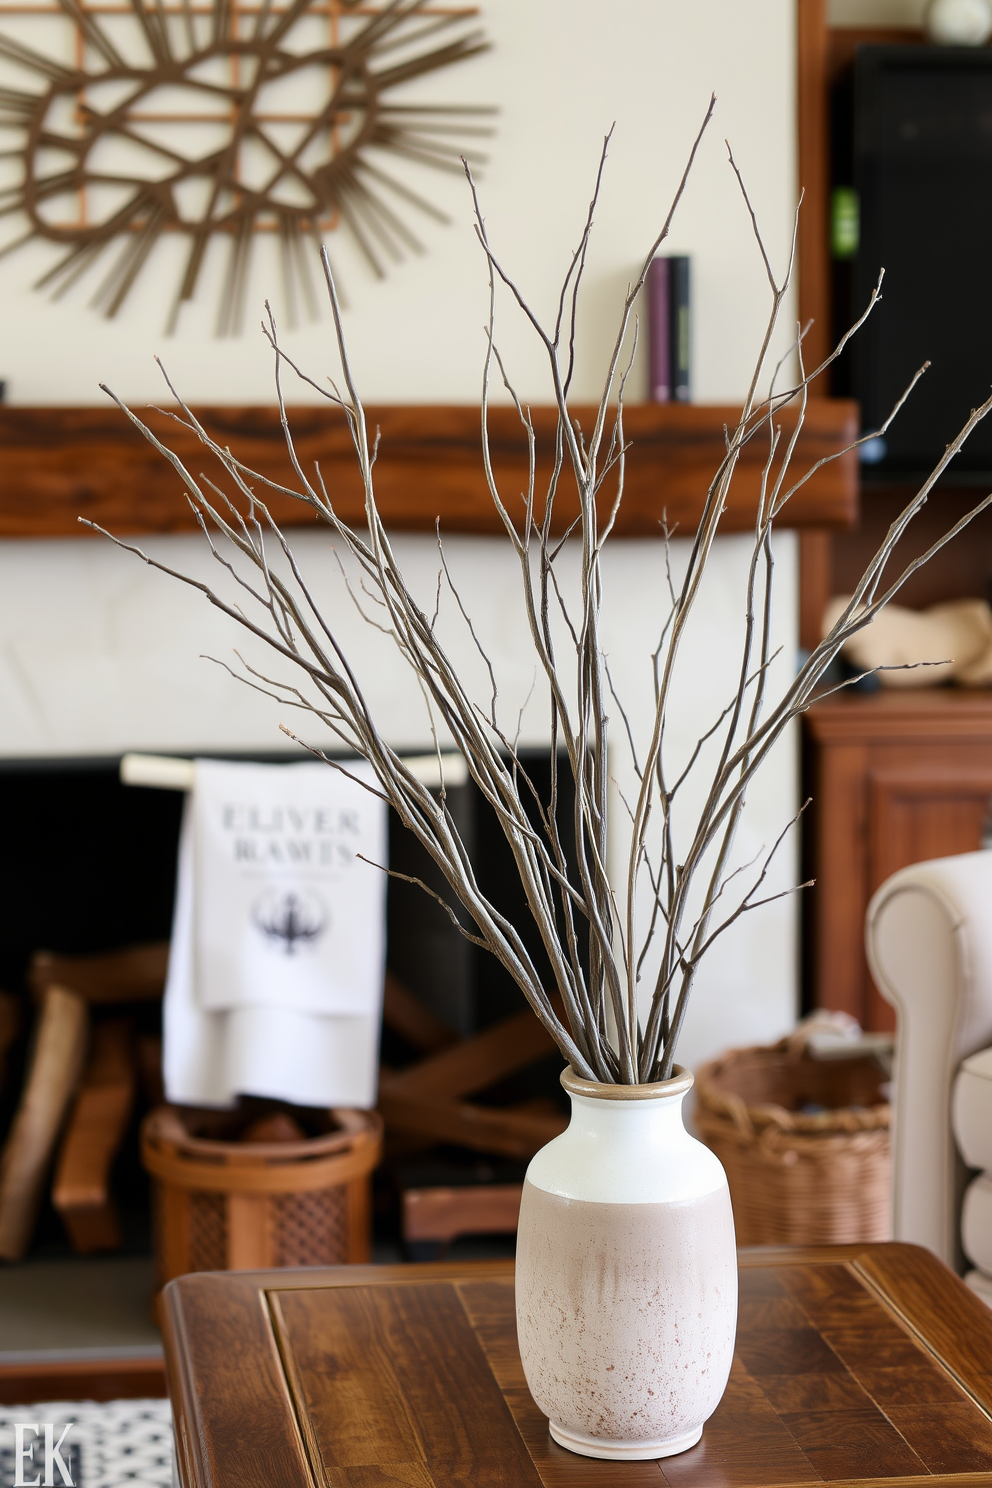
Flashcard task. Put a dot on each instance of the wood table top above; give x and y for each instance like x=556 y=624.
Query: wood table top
x=854 y=1365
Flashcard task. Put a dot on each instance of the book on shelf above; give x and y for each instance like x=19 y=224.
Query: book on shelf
x=678 y=285
x=668 y=329
x=659 y=338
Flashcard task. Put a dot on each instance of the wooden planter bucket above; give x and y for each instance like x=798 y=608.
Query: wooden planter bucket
x=224 y=1205
x=799 y=1177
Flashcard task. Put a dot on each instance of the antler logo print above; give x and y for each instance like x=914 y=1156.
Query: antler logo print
x=292 y=920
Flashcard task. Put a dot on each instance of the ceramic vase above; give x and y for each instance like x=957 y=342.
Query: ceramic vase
x=626 y=1274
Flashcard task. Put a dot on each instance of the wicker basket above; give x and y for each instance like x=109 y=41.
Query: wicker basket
x=796 y=1178
x=227 y=1205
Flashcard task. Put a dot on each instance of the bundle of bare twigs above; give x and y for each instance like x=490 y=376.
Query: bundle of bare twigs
x=595 y=942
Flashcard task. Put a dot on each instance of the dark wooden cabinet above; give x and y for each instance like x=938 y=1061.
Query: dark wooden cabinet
x=896 y=778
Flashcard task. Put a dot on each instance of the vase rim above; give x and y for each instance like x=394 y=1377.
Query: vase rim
x=679 y=1084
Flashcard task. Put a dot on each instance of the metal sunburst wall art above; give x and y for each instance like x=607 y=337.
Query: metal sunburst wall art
x=224 y=120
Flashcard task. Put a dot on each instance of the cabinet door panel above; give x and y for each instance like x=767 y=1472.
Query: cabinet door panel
x=917 y=814
x=841 y=887
x=924 y=813
x=897 y=778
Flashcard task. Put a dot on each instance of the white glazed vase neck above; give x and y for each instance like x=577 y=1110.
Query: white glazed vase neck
x=621 y=1150
x=659 y=1120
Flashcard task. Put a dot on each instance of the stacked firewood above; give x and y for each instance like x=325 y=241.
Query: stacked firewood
x=79 y=1090
x=89 y=1064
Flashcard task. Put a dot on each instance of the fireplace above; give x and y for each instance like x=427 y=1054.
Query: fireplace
x=99 y=655
x=102 y=656
x=90 y=866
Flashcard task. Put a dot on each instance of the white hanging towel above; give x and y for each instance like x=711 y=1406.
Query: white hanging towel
x=278 y=941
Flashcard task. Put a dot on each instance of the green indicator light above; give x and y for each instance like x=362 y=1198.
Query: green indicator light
x=844 y=222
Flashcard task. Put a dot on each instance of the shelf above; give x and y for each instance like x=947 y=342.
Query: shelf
x=925 y=713
x=59 y=464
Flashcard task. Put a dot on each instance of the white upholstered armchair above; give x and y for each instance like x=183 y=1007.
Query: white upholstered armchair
x=929 y=941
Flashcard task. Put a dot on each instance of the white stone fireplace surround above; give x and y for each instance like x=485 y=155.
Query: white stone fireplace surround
x=100 y=655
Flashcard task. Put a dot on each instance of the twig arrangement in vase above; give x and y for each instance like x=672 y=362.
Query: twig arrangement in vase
x=620 y=1045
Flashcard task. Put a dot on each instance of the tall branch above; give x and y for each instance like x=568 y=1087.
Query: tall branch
x=597 y=936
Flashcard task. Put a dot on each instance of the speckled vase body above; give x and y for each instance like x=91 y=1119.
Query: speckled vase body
x=626 y=1274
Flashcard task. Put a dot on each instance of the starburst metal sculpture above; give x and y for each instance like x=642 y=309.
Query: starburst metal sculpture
x=226 y=119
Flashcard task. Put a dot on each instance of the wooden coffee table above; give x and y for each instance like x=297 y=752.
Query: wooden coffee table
x=854 y=1365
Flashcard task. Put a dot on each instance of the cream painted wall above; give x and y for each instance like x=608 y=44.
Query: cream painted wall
x=98 y=654
x=562 y=71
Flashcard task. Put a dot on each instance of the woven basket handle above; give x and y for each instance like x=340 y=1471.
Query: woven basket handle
x=736 y=1109
x=820 y=1020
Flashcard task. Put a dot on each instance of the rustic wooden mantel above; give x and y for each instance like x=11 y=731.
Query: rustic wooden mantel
x=60 y=464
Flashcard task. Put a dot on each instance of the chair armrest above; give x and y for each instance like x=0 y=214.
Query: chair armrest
x=929 y=944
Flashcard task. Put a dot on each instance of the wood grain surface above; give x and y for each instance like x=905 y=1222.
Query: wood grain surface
x=441 y=1214
x=27 y=1380
x=60 y=464
x=855 y=1365
x=134 y=974
x=426 y=1098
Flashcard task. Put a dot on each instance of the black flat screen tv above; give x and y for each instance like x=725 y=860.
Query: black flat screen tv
x=922 y=143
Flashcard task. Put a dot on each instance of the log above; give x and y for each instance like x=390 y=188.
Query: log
x=475 y=1063
x=504 y=1130
x=442 y=1214
x=10 y=1026
x=148 y=1055
x=411 y=1020
x=425 y=1102
x=55 y=1064
x=95 y=1130
x=135 y=974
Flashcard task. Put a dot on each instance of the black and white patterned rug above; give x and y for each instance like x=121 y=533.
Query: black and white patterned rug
x=82 y=1444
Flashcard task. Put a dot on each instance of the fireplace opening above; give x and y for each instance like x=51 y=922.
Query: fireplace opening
x=89 y=865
